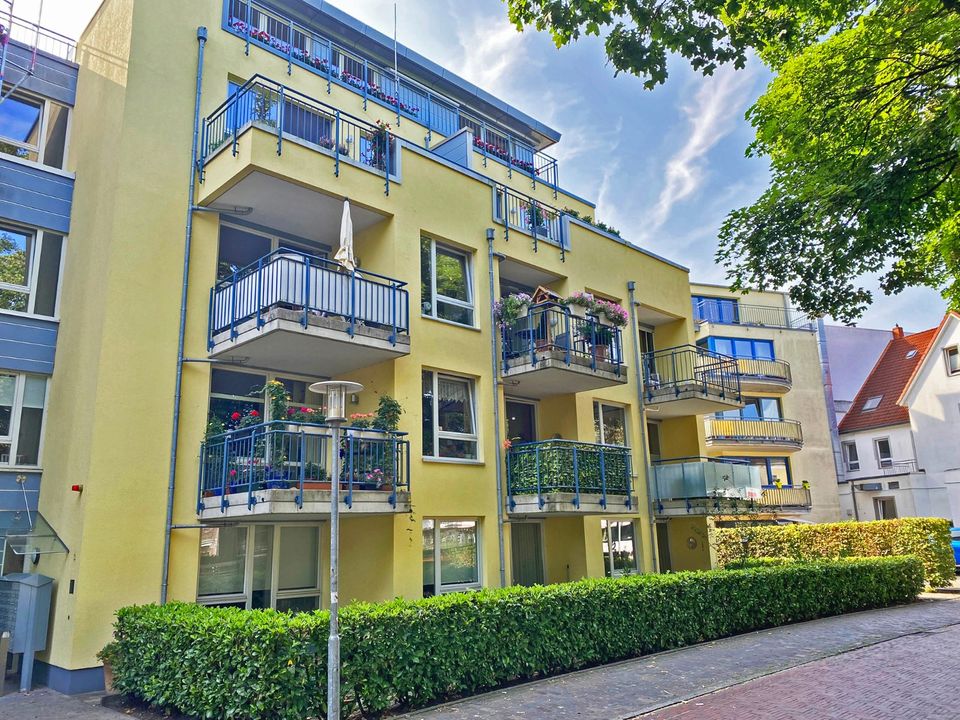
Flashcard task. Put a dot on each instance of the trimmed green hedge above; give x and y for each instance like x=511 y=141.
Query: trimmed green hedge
x=229 y=663
x=926 y=538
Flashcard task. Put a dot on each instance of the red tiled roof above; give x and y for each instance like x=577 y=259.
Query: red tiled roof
x=888 y=379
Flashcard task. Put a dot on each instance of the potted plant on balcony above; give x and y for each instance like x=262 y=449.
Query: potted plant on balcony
x=578 y=303
x=388 y=414
x=609 y=313
x=509 y=309
x=381 y=144
x=314 y=477
x=600 y=338
x=360 y=424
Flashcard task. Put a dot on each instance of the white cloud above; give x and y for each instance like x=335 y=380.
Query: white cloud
x=716 y=108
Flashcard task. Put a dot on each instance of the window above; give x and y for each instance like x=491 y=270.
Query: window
x=885 y=508
x=772 y=469
x=33 y=129
x=22 y=399
x=234 y=391
x=451 y=556
x=646 y=340
x=242 y=246
x=29 y=270
x=953 y=360
x=872 y=403
x=742 y=348
x=653 y=441
x=446 y=285
x=716 y=310
x=619 y=548
x=449 y=417
x=884 y=457
x=850 y=456
x=755 y=408
x=609 y=424
x=260 y=566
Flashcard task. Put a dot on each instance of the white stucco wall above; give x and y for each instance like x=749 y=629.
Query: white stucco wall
x=934 y=403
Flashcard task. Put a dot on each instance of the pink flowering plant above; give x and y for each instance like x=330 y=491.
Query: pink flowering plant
x=511 y=308
x=612 y=311
x=583 y=299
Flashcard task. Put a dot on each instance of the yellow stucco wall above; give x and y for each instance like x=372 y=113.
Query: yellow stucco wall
x=112 y=398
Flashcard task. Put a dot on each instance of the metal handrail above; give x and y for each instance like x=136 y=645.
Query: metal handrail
x=30 y=33
x=762 y=368
x=292 y=455
x=757 y=315
x=550 y=327
x=787 y=496
x=308 y=284
x=437 y=112
x=754 y=429
x=527 y=214
x=569 y=466
x=674 y=372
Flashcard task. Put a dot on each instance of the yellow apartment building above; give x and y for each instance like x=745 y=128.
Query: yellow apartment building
x=550 y=376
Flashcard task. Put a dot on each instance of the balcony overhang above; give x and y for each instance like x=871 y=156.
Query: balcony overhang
x=567 y=503
x=764 y=384
x=323 y=347
x=686 y=400
x=272 y=505
x=553 y=374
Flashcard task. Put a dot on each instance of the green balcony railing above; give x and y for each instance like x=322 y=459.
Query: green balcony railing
x=568 y=466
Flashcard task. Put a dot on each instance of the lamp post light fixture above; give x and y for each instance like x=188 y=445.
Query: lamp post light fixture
x=336 y=392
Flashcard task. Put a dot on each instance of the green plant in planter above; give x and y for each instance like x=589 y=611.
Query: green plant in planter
x=511 y=308
x=276 y=393
x=215 y=426
x=361 y=421
x=388 y=414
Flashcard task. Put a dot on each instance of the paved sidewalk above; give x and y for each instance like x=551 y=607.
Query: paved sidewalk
x=44 y=704
x=632 y=688
x=911 y=678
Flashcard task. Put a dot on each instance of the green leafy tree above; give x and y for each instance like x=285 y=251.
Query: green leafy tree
x=861 y=126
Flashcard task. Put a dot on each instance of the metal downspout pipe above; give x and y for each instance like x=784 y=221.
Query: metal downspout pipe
x=635 y=333
x=178 y=384
x=495 y=382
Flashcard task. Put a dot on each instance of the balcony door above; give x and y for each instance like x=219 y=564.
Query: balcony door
x=521 y=421
x=526 y=540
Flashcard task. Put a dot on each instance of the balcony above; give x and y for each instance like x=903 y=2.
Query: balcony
x=308 y=315
x=568 y=478
x=690 y=380
x=550 y=351
x=768 y=376
x=277 y=470
x=32 y=35
x=695 y=485
x=754 y=434
x=731 y=312
x=301 y=46
x=541 y=222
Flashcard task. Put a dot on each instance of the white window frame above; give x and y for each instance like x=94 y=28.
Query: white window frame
x=881 y=462
x=33 y=264
x=608 y=539
x=262 y=398
x=949 y=353
x=601 y=404
x=436 y=297
x=847 y=460
x=535 y=404
x=439 y=589
x=13 y=439
x=246 y=596
x=41 y=146
x=880 y=501
x=439 y=434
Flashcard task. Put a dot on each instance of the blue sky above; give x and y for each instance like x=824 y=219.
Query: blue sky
x=664 y=166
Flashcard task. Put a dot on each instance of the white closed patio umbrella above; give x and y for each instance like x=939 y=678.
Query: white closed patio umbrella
x=345 y=254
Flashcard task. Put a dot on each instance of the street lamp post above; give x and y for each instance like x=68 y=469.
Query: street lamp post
x=336 y=392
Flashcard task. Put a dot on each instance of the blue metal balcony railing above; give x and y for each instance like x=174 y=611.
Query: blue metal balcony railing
x=281 y=110
x=301 y=46
x=731 y=312
x=280 y=455
x=567 y=466
x=312 y=286
x=524 y=213
x=672 y=373
x=552 y=328
x=697 y=478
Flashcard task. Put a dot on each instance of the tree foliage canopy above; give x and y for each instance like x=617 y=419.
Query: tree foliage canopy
x=861 y=126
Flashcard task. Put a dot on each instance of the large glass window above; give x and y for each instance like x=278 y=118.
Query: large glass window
x=755 y=408
x=235 y=394
x=716 y=310
x=29 y=270
x=884 y=454
x=33 y=129
x=619 y=548
x=451 y=556
x=773 y=469
x=953 y=361
x=260 y=566
x=742 y=348
x=446 y=284
x=449 y=417
x=243 y=246
x=22 y=399
x=609 y=424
